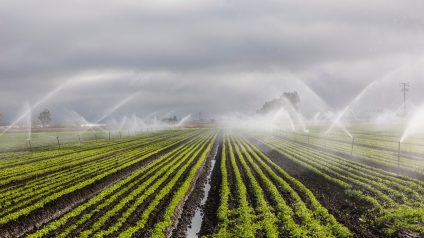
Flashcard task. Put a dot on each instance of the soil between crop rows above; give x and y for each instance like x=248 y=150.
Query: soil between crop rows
x=60 y=206
x=210 y=220
x=330 y=195
x=257 y=173
x=193 y=201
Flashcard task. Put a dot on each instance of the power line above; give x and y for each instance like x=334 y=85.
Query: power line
x=404 y=87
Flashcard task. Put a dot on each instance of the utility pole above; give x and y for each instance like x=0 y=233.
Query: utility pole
x=404 y=88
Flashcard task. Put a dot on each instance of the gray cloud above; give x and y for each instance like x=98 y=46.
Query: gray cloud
x=211 y=56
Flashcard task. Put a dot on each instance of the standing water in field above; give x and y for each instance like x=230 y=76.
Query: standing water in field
x=197 y=219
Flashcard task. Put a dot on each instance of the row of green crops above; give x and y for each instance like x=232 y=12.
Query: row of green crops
x=372 y=150
x=50 y=156
x=46 y=139
x=125 y=208
x=265 y=200
x=393 y=202
x=22 y=197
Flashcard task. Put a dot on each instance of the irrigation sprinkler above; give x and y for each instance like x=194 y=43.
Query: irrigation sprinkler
x=109 y=135
x=95 y=137
x=308 y=139
x=58 y=142
x=120 y=135
x=29 y=144
x=79 y=139
x=353 y=143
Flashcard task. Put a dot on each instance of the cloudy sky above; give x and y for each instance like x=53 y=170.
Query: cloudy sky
x=214 y=56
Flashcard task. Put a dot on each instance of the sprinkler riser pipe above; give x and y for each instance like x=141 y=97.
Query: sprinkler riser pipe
x=58 y=142
x=398 y=157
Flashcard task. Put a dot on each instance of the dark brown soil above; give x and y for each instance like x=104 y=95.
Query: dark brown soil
x=251 y=196
x=269 y=197
x=329 y=194
x=111 y=205
x=197 y=195
x=157 y=215
x=108 y=155
x=210 y=220
x=60 y=206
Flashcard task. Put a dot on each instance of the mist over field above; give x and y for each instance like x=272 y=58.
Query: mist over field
x=212 y=118
x=215 y=57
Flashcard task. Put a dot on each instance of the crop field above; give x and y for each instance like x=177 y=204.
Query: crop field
x=212 y=119
x=376 y=149
x=243 y=183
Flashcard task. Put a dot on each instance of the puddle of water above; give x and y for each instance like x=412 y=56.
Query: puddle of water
x=196 y=221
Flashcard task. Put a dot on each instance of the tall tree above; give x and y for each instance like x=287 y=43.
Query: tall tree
x=293 y=98
x=45 y=118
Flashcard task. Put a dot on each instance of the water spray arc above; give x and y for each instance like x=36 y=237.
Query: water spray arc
x=41 y=101
x=183 y=120
x=116 y=107
x=337 y=121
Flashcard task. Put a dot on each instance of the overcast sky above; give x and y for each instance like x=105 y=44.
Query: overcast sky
x=214 y=56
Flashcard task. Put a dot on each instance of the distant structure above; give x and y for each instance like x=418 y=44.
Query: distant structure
x=404 y=88
x=281 y=102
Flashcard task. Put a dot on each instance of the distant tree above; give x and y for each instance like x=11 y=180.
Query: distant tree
x=45 y=118
x=281 y=102
x=293 y=98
